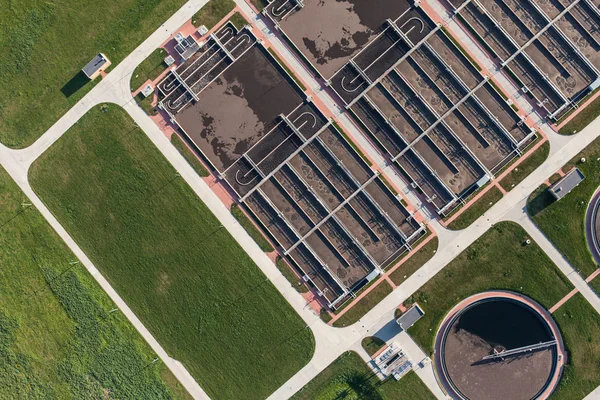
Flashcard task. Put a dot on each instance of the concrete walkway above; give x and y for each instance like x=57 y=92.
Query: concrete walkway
x=330 y=342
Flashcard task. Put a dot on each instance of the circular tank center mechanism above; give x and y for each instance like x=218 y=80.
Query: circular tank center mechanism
x=496 y=346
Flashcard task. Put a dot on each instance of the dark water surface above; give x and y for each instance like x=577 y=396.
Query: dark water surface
x=504 y=323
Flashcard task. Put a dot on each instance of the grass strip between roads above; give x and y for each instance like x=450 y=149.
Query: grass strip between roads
x=364 y=305
x=477 y=209
x=348 y=377
x=45 y=44
x=563 y=221
x=415 y=262
x=582 y=119
x=61 y=336
x=521 y=171
x=169 y=258
x=499 y=259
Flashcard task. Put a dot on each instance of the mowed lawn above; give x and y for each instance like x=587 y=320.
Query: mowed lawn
x=44 y=45
x=579 y=324
x=563 y=222
x=58 y=336
x=167 y=255
x=349 y=378
x=499 y=259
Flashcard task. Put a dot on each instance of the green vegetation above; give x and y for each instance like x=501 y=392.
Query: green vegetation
x=189 y=155
x=575 y=107
x=563 y=222
x=372 y=344
x=389 y=186
x=554 y=178
x=415 y=262
x=260 y=4
x=58 y=336
x=476 y=209
x=149 y=69
x=461 y=49
x=238 y=20
x=44 y=45
x=351 y=143
x=497 y=89
x=580 y=326
x=499 y=259
x=325 y=316
x=289 y=71
x=169 y=258
x=364 y=305
x=514 y=177
x=252 y=230
x=348 y=377
x=595 y=284
x=212 y=13
x=582 y=119
x=146 y=103
x=290 y=275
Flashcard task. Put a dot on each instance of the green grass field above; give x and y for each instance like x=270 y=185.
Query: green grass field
x=563 y=222
x=167 y=255
x=520 y=172
x=150 y=68
x=497 y=260
x=349 y=378
x=44 y=45
x=415 y=262
x=58 y=338
x=476 y=209
x=364 y=305
x=580 y=326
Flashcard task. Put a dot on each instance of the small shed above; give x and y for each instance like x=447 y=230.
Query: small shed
x=567 y=183
x=97 y=65
x=411 y=316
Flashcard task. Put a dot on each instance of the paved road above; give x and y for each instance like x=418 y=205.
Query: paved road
x=330 y=342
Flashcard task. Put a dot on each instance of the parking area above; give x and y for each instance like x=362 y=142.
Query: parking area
x=549 y=48
x=325 y=46
x=328 y=212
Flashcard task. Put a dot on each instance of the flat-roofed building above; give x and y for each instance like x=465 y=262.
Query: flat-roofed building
x=98 y=64
x=567 y=183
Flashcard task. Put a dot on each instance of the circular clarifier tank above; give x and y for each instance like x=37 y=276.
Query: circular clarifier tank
x=497 y=346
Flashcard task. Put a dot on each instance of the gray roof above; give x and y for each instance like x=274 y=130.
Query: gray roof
x=94 y=65
x=567 y=183
x=411 y=316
